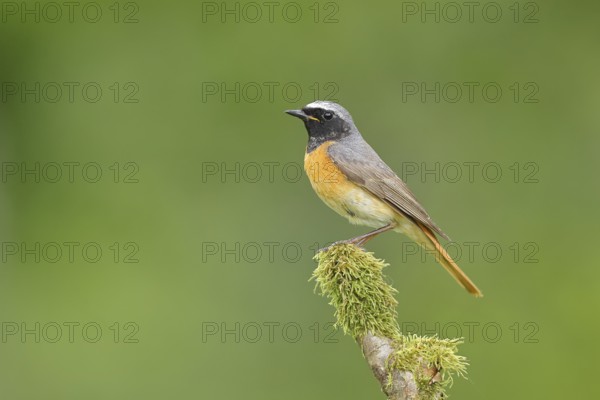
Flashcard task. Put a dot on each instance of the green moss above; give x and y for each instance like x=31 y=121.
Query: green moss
x=352 y=279
x=432 y=361
x=364 y=302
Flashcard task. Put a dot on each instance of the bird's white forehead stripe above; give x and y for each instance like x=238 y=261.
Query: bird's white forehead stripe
x=330 y=106
x=322 y=104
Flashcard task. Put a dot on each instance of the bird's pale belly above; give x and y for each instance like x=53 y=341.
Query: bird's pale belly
x=362 y=208
x=343 y=196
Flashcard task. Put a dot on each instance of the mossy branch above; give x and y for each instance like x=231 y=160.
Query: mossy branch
x=407 y=367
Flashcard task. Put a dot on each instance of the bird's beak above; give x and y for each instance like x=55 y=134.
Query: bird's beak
x=302 y=115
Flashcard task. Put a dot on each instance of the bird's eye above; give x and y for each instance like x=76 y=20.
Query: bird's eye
x=328 y=115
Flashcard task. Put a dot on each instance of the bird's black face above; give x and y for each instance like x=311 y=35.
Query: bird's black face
x=322 y=125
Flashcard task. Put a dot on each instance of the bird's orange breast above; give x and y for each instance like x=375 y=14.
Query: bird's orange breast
x=326 y=178
x=342 y=195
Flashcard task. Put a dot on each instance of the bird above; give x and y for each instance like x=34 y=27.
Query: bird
x=351 y=178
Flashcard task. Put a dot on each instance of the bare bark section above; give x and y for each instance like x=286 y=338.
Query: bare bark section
x=403 y=385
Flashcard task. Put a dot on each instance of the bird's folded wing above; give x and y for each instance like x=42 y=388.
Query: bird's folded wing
x=361 y=164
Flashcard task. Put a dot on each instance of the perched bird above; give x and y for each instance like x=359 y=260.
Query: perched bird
x=349 y=176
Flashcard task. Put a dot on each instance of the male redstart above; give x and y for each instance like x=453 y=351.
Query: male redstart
x=349 y=176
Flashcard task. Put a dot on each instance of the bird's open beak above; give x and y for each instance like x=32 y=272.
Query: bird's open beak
x=302 y=115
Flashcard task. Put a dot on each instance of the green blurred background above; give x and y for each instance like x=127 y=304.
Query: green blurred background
x=198 y=317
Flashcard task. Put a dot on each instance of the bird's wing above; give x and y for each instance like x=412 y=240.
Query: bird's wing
x=361 y=164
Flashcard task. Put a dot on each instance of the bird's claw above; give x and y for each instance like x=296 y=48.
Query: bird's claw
x=347 y=241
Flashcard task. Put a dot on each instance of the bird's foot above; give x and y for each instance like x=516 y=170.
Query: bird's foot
x=355 y=241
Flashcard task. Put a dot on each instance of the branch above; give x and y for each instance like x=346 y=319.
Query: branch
x=377 y=351
x=407 y=367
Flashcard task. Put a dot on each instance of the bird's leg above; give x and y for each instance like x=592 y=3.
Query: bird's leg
x=362 y=239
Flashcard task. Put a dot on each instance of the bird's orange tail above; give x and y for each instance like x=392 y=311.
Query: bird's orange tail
x=449 y=264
